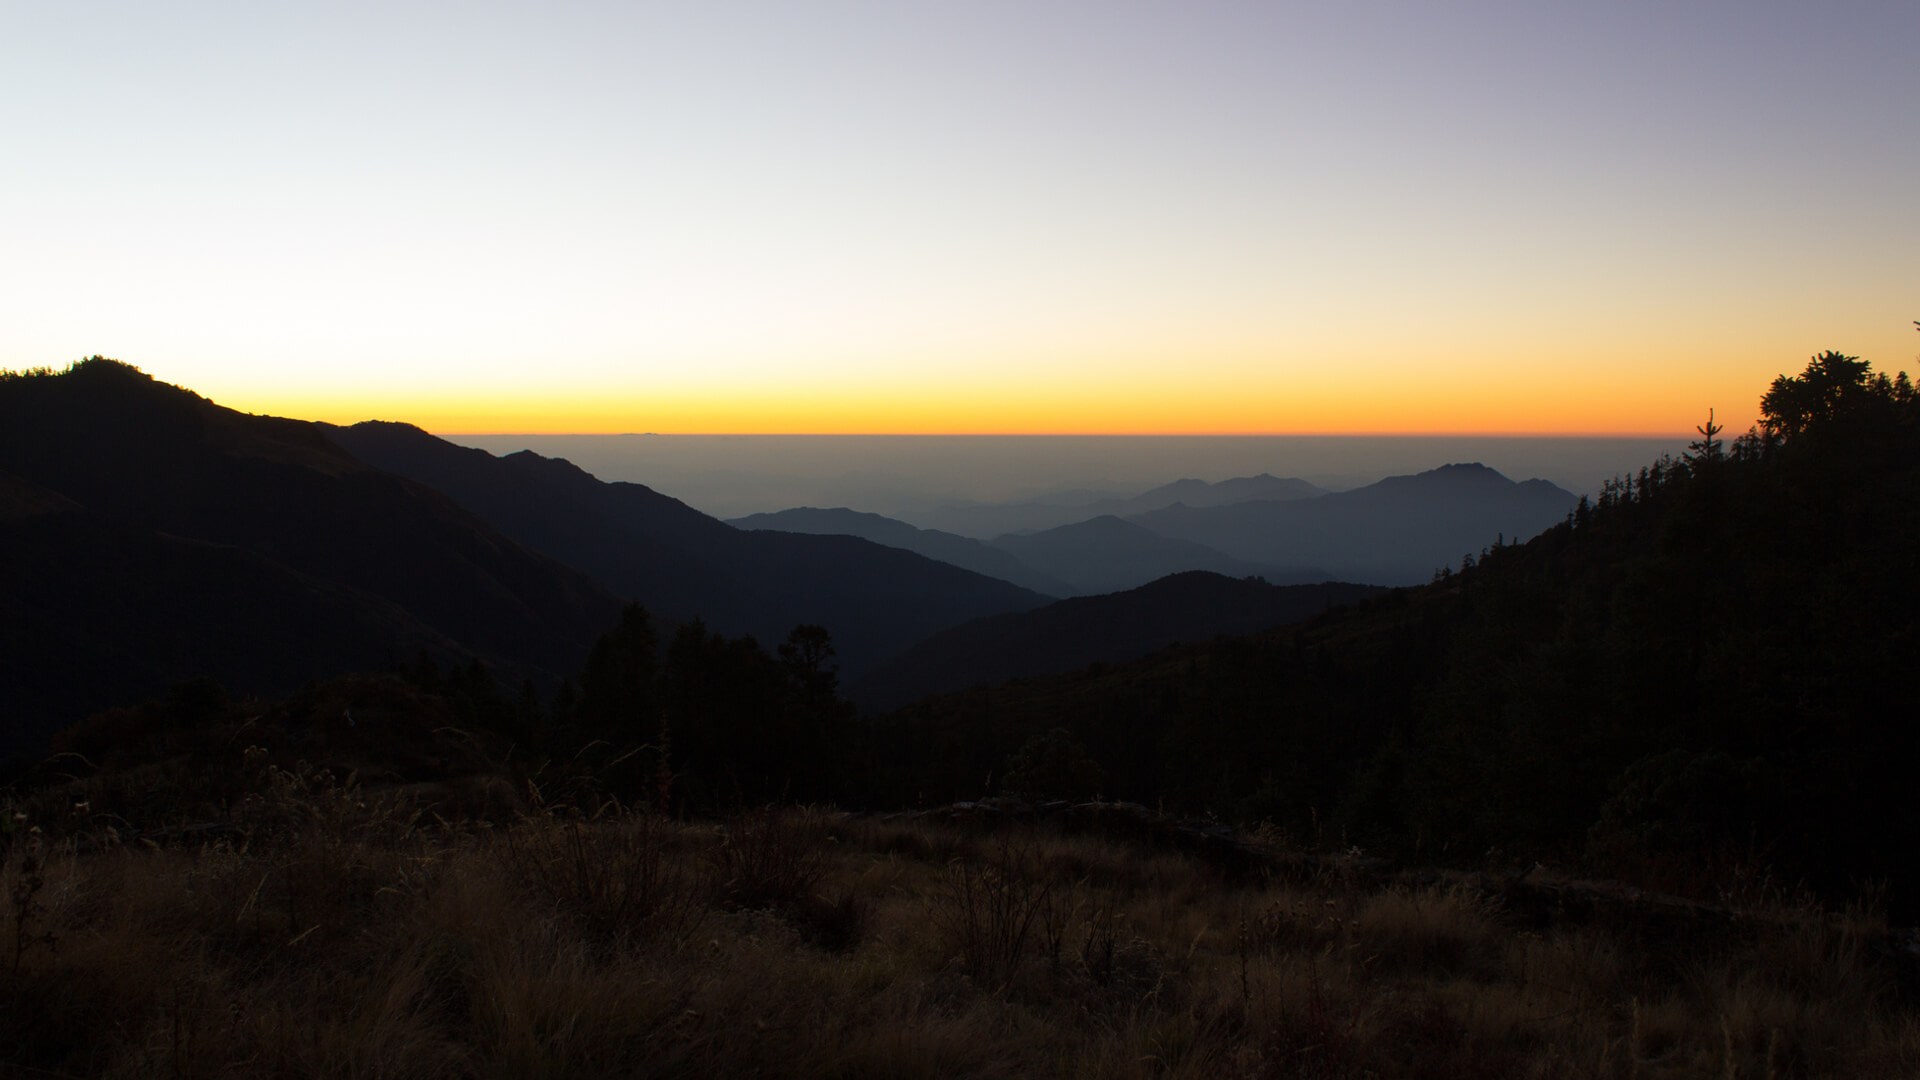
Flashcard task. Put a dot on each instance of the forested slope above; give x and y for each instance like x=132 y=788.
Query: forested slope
x=155 y=536
x=1711 y=664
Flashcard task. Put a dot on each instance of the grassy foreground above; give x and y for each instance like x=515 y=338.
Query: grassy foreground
x=325 y=932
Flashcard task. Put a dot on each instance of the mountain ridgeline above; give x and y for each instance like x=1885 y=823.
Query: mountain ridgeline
x=988 y=520
x=153 y=537
x=683 y=564
x=976 y=555
x=159 y=538
x=1395 y=532
x=1705 y=670
x=1398 y=531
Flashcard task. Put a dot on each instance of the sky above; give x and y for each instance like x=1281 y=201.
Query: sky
x=988 y=217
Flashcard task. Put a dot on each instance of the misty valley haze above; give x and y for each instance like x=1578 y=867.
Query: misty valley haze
x=1399 y=531
x=922 y=479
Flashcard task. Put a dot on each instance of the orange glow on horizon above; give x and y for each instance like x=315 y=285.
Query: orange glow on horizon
x=1502 y=393
x=1412 y=411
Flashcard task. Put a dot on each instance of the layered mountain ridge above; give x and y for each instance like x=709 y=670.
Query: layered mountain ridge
x=171 y=538
x=962 y=551
x=646 y=546
x=1398 y=531
x=161 y=537
x=157 y=536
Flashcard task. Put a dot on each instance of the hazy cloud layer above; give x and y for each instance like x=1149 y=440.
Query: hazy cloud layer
x=901 y=475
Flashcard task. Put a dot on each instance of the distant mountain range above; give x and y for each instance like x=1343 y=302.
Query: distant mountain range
x=1396 y=532
x=1106 y=554
x=1099 y=555
x=988 y=520
x=643 y=545
x=1114 y=628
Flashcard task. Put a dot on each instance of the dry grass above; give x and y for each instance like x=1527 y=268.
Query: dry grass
x=329 y=934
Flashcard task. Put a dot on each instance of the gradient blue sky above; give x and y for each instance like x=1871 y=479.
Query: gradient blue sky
x=978 y=217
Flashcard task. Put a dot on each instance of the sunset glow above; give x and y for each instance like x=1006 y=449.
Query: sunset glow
x=985 y=218
x=1655 y=395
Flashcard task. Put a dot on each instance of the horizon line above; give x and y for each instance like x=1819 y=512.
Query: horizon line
x=1081 y=434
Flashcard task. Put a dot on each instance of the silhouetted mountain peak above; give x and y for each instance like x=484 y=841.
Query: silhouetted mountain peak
x=1105 y=524
x=1177 y=488
x=1191 y=492
x=1457 y=474
x=396 y=427
x=1393 y=532
x=554 y=468
x=101 y=367
x=99 y=416
x=387 y=436
x=838 y=520
x=557 y=464
x=987 y=520
x=1460 y=480
x=1105 y=529
x=201 y=540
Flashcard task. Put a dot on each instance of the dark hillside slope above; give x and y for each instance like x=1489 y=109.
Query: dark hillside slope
x=1396 y=532
x=146 y=471
x=1114 y=628
x=874 y=600
x=112 y=613
x=1711 y=666
x=962 y=551
x=636 y=541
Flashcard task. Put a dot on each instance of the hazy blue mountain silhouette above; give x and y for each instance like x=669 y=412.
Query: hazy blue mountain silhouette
x=874 y=599
x=1201 y=493
x=1114 y=628
x=1395 y=532
x=989 y=520
x=162 y=517
x=962 y=551
x=1106 y=554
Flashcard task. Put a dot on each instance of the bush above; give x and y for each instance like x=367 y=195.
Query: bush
x=987 y=911
x=768 y=858
x=1052 y=765
x=616 y=876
